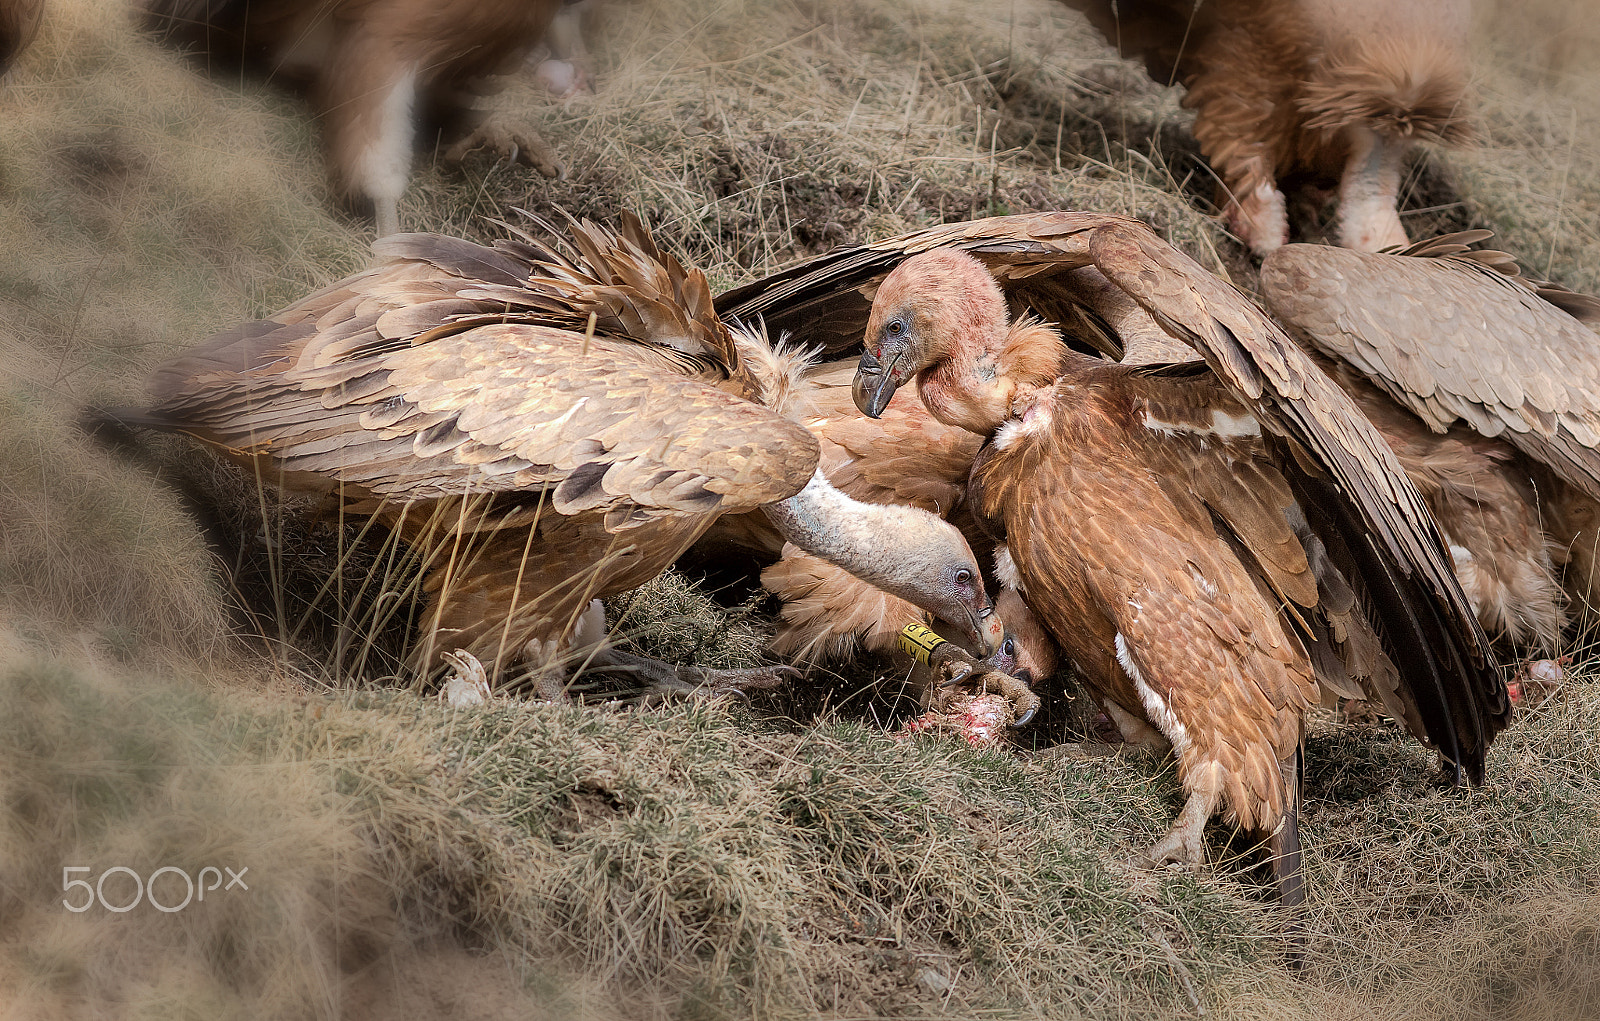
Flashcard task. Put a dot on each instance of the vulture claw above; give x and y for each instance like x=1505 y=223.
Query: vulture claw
x=962 y=669
x=958 y=673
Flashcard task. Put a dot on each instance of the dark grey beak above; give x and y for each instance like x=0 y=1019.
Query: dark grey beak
x=874 y=385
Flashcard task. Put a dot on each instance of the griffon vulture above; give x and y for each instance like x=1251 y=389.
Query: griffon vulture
x=1488 y=389
x=1323 y=92
x=1212 y=544
x=374 y=70
x=547 y=429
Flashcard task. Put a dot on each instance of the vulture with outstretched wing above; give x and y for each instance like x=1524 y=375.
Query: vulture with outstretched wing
x=1213 y=544
x=373 y=69
x=1322 y=91
x=547 y=429
x=1488 y=388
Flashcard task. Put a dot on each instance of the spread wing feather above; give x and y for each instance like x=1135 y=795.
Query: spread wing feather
x=1455 y=335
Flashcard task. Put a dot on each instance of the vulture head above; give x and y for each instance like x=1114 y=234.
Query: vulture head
x=931 y=312
x=929 y=564
x=1027 y=651
x=939 y=318
x=905 y=551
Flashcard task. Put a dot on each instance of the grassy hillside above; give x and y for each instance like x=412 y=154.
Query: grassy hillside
x=524 y=860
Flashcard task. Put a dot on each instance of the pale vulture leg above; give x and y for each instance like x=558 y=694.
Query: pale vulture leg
x=1369 y=191
x=1136 y=733
x=565 y=69
x=1260 y=217
x=1185 y=842
x=368 y=105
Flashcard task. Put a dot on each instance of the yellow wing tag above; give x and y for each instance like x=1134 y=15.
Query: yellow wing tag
x=919 y=641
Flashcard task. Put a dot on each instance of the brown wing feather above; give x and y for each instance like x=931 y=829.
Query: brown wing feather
x=455 y=369
x=1453 y=338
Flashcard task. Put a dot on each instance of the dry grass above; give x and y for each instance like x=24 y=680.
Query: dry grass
x=691 y=862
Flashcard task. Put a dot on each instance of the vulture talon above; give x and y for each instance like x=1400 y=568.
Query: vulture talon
x=961 y=672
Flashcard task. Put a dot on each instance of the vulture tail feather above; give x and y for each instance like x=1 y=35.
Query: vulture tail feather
x=1446 y=697
x=1284 y=847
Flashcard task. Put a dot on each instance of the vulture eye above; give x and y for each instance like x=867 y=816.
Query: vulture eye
x=963 y=576
x=896 y=327
x=1008 y=647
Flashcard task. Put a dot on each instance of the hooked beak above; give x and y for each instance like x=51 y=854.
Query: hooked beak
x=874 y=384
x=986 y=631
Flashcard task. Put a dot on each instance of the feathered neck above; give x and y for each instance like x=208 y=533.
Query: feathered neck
x=990 y=376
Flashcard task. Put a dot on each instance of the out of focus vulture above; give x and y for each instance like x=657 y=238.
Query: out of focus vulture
x=547 y=429
x=19 y=23
x=1214 y=545
x=1488 y=389
x=1313 y=92
x=376 y=71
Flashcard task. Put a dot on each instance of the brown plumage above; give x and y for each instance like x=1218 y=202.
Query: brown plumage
x=372 y=69
x=537 y=457
x=1488 y=388
x=1213 y=545
x=1322 y=91
x=19 y=23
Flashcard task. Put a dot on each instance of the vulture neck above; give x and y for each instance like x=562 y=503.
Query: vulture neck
x=884 y=544
x=989 y=377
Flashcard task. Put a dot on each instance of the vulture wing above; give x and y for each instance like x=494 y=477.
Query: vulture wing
x=1455 y=335
x=454 y=369
x=1340 y=464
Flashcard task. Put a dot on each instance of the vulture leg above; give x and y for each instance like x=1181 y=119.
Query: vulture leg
x=367 y=100
x=565 y=69
x=1369 y=190
x=1259 y=216
x=1185 y=841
